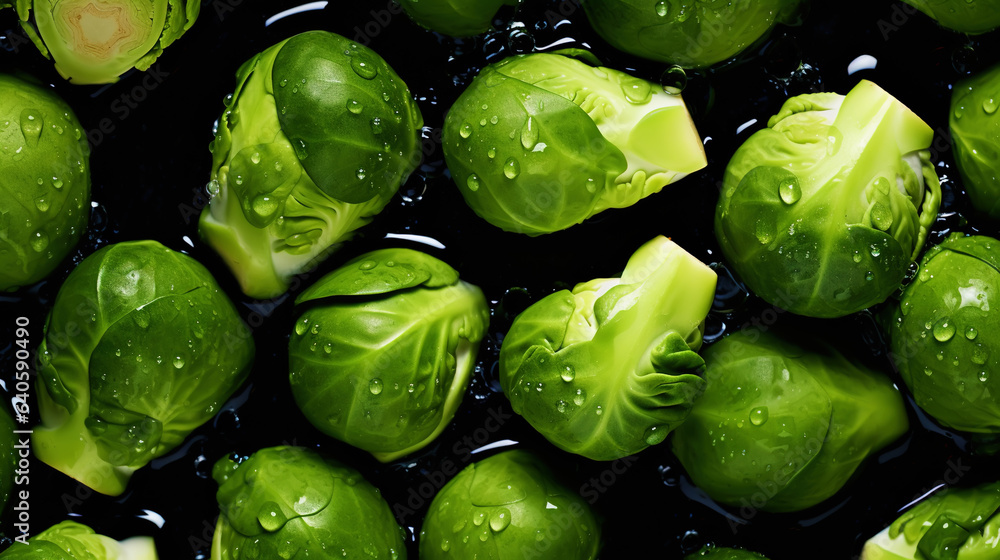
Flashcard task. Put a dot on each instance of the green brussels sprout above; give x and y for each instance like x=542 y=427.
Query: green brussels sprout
x=285 y=502
x=458 y=18
x=541 y=142
x=141 y=348
x=611 y=368
x=975 y=132
x=8 y=456
x=70 y=540
x=315 y=141
x=713 y=553
x=944 y=338
x=822 y=212
x=966 y=16
x=956 y=524
x=96 y=41
x=508 y=506
x=385 y=349
x=783 y=424
x=45 y=192
x=689 y=33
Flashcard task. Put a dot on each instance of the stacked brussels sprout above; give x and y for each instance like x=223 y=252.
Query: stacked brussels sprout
x=383 y=339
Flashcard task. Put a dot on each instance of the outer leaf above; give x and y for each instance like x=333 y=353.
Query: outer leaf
x=288 y=501
x=783 y=424
x=511 y=498
x=609 y=369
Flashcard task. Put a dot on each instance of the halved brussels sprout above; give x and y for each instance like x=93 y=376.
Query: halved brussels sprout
x=822 y=212
x=611 y=368
x=96 y=41
x=70 y=540
x=541 y=142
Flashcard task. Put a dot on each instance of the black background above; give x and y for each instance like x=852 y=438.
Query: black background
x=149 y=176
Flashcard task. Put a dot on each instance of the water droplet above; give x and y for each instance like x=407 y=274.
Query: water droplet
x=662 y=9
x=368 y=265
x=971 y=333
x=376 y=125
x=636 y=91
x=301 y=326
x=944 y=329
x=881 y=216
x=465 y=131
x=790 y=191
x=39 y=241
x=511 y=169
x=270 y=517
x=758 y=416
x=990 y=105
x=375 y=386
x=473 y=182
x=491 y=153
x=42 y=204
x=984 y=376
x=655 y=435
x=213 y=187
x=764 y=230
x=31 y=126
x=178 y=362
x=875 y=251
x=265 y=206
x=520 y=41
x=57 y=183
x=979 y=355
x=299 y=146
x=856 y=257
x=500 y=520
x=494 y=119
x=928 y=371
x=355 y=107
x=363 y=67
x=529 y=134
x=869 y=276
x=568 y=374
x=580 y=397
x=673 y=80
x=360 y=174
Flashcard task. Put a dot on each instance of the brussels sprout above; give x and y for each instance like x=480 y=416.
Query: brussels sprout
x=690 y=33
x=975 y=132
x=713 y=553
x=944 y=337
x=384 y=352
x=967 y=16
x=951 y=524
x=70 y=540
x=822 y=212
x=317 y=138
x=8 y=456
x=784 y=424
x=45 y=164
x=96 y=41
x=285 y=502
x=508 y=506
x=611 y=368
x=141 y=348
x=541 y=142
x=458 y=18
